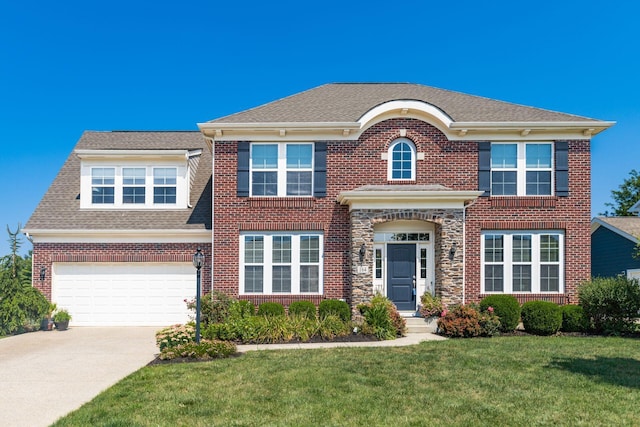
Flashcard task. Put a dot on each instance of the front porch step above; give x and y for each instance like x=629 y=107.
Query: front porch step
x=420 y=325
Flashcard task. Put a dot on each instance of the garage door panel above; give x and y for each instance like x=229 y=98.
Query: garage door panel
x=124 y=294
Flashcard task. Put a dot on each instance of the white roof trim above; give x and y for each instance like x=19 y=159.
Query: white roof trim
x=597 y=223
x=411 y=199
x=104 y=154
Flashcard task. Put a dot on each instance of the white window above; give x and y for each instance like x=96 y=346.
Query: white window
x=281 y=169
x=401 y=163
x=133 y=186
x=522 y=262
x=281 y=263
x=519 y=169
x=102 y=186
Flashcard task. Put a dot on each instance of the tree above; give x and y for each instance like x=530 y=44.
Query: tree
x=627 y=195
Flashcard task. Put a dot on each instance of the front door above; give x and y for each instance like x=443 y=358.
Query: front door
x=401 y=275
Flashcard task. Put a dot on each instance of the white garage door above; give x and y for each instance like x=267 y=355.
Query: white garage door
x=124 y=294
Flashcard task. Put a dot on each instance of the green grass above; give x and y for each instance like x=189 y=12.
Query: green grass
x=506 y=381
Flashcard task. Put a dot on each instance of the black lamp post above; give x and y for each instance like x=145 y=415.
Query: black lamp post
x=198 y=261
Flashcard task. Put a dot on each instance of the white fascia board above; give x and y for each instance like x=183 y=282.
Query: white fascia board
x=407 y=200
x=597 y=223
x=118 y=236
x=280 y=131
x=120 y=154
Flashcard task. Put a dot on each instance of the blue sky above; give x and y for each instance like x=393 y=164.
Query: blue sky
x=71 y=66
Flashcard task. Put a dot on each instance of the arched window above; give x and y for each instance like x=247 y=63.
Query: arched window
x=402 y=160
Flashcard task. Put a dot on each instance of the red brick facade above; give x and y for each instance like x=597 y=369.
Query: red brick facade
x=45 y=254
x=352 y=164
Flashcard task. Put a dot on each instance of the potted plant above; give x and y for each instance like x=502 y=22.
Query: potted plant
x=47 y=322
x=61 y=319
x=431 y=307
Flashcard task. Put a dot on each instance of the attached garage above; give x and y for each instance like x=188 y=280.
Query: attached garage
x=124 y=294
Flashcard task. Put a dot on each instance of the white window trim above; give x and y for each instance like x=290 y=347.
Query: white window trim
x=535 y=261
x=295 y=264
x=281 y=168
x=521 y=168
x=182 y=185
x=412 y=146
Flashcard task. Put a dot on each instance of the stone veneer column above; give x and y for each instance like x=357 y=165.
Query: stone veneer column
x=449 y=271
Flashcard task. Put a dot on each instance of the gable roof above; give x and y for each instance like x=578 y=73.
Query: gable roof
x=625 y=226
x=59 y=209
x=348 y=102
x=345 y=110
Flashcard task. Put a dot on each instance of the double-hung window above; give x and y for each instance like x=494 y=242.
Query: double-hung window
x=281 y=169
x=281 y=263
x=521 y=169
x=164 y=185
x=102 y=185
x=133 y=185
x=522 y=262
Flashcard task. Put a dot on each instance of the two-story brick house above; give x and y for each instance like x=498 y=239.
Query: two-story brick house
x=346 y=190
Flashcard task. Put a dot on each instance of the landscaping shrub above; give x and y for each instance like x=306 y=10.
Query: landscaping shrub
x=383 y=317
x=611 y=303
x=214 y=307
x=465 y=321
x=334 y=306
x=302 y=308
x=270 y=309
x=574 y=319
x=241 y=309
x=332 y=326
x=206 y=350
x=430 y=305
x=541 y=317
x=22 y=311
x=175 y=335
x=506 y=307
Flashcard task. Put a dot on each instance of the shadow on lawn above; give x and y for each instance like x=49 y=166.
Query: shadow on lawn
x=613 y=370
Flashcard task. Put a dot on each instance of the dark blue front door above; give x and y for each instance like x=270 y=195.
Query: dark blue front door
x=401 y=274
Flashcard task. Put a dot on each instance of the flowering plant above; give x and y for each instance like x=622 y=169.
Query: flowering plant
x=175 y=335
x=430 y=305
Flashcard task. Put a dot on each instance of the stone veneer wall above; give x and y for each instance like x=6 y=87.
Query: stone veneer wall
x=449 y=230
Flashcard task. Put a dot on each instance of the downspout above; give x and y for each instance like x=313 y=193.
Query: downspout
x=464 y=248
x=213 y=194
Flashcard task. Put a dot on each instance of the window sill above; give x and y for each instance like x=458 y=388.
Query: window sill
x=523 y=202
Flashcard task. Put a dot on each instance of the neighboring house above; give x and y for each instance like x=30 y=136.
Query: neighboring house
x=613 y=245
x=341 y=191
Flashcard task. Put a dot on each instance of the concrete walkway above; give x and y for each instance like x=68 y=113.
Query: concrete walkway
x=46 y=375
x=410 y=339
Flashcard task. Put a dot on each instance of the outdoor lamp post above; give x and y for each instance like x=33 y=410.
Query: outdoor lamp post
x=198 y=261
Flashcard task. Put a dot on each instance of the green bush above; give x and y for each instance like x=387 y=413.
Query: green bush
x=466 y=321
x=541 y=317
x=241 y=309
x=22 y=311
x=574 y=319
x=611 y=303
x=214 y=307
x=506 y=307
x=270 y=309
x=383 y=317
x=332 y=326
x=334 y=306
x=206 y=350
x=302 y=308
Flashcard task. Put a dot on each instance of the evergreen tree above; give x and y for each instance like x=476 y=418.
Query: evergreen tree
x=627 y=194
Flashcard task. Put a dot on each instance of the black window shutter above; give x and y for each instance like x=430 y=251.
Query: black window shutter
x=243 y=169
x=484 y=167
x=562 y=168
x=320 y=170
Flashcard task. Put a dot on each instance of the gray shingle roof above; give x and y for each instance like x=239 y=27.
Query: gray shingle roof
x=627 y=224
x=59 y=209
x=347 y=102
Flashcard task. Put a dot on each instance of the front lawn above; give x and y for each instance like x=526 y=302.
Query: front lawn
x=511 y=381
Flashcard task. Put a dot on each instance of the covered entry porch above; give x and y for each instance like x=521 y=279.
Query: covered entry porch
x=407 y=240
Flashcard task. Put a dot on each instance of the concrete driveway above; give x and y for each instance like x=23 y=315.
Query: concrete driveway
x=46 y=375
